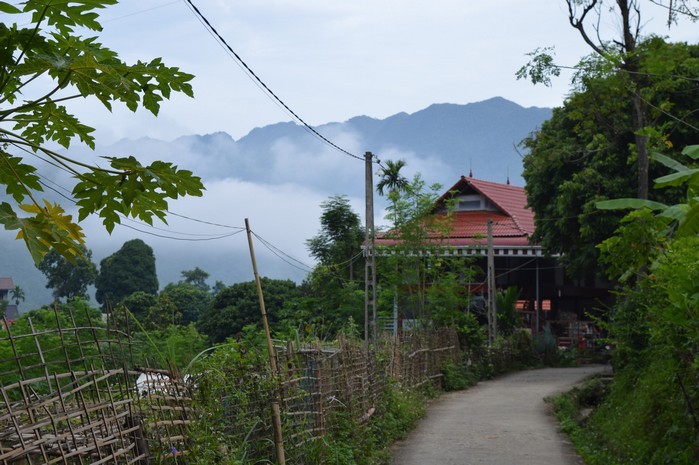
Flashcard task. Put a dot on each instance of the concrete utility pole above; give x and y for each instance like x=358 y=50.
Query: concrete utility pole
x=370 y=262
x=492 y=292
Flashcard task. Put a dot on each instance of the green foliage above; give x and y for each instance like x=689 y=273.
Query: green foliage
x=134 y=312
x=412 y=272
x=650 y=416
x=17 y=294
x=582 y=154
x=508 y=317
x=457 y=376
x=128 y=270
x=350 y=442
x=233 y=390
x=173 y=346
x=189 y=300
x=645 y=419
x=323 y=306
x=682 y=217
x=540 y=68
x=331 y=294
x=197 y=278
x=45 y=323
x=71 y=66
x=589 y=443
x=392 y=180
x=238 y=306
x=635 y=244
x=447 y=294
x=340 y=238
x=472 y=335
x=68 y=279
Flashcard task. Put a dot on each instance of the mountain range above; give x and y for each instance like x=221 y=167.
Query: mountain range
x=280 y=173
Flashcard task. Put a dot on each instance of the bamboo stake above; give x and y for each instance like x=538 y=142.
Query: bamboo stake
x=276 y=413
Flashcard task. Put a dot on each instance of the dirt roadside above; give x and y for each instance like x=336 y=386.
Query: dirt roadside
x=500 y=422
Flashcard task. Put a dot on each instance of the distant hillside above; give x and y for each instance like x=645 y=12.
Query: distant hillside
x=447 y=139
x=279 y=174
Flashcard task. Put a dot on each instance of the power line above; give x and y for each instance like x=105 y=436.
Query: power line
x=201 y=239
x=281 y=254
x=138 y=12
x=203 y=221
x=261 y=83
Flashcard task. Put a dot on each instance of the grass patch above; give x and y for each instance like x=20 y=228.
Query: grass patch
x=571 y=410
x=645 y=418
x=353 y=443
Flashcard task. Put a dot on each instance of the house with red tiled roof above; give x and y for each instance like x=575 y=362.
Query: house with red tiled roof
x=7 y=285
x=547 y=294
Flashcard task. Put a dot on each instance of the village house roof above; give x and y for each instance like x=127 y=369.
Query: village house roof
x=477 y=202
x=6 y=284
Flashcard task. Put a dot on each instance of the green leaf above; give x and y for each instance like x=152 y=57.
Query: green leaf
x=9 y=9
x=17 y=177
x=623 y=204
x=692 y=151
x=49 y=121
x=667 y=161
x=676 y=179
x=676 y=212
x=689 y=226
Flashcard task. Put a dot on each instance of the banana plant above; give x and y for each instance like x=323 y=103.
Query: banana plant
x=684 y=215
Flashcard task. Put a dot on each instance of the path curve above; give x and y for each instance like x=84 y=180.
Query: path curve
x=499 y=422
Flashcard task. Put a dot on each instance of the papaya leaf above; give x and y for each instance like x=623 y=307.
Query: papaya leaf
x=9 y=9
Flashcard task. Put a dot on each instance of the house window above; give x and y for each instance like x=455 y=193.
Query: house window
x=473 y=203
x=467 y=205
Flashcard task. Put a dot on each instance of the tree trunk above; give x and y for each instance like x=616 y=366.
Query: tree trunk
x=631 y=66
x=639 y=122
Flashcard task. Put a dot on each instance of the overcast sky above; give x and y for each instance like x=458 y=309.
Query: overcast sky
x=332 y=60
x=329 y=61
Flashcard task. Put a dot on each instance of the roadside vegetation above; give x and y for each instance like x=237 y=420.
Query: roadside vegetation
x=625 y=139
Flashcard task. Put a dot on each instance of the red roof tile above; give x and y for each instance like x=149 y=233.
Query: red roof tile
x=512 y=200
x=6 y=284
x=512 y=224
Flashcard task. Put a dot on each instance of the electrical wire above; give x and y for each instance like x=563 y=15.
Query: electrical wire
x=201 y=239
x=212 y=30
x=117 y=18
x=285 y=257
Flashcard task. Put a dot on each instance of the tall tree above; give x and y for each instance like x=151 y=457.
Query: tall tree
x=581 y=156
x=620 y=52
x=197 y=278
x=237 y=306
x=189 y=300
x=18 y=294
x=392 y=180
x=45 y=47
x=68 y=279
x=339 y=241
x=129 y=269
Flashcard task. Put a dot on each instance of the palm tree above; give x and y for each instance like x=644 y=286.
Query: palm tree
x=392 y=179
x=18 y=295
x=396 y=183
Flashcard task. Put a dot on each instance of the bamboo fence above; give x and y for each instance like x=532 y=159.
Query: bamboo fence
x=73 y=395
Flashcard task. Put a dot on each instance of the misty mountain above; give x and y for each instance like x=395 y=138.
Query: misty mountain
x=480 y=136
x=278 y=175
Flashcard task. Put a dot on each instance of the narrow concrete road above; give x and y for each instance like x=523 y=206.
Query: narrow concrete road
x=499 y=422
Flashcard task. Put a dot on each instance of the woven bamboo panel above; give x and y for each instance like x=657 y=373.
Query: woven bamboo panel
x=69 y=395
